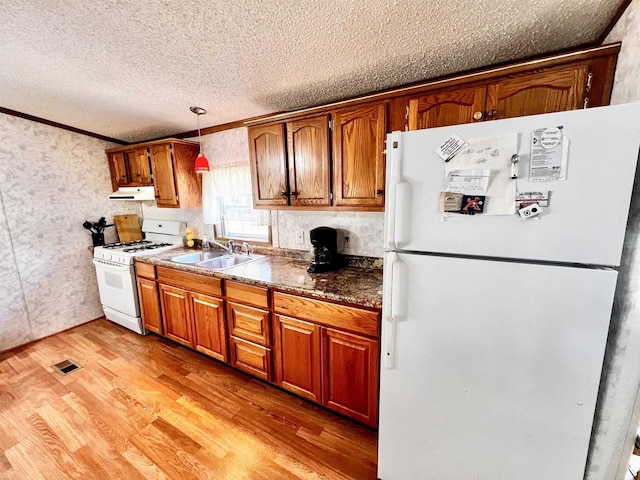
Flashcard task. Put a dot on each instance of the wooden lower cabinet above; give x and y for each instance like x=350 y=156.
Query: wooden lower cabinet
x=328 y=352
x=150 y=305
x=176 y=315
x=329 y=355
x=209 y=328
x=249 y=323
x=298 y=363
x=350 y=375
x=252 y=358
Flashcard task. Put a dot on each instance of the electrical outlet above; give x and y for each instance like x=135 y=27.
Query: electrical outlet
x=347 y=243
x=301 y=238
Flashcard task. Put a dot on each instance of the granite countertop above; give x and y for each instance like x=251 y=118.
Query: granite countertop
x=359 y=286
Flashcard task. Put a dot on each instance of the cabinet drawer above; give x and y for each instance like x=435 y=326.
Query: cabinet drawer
x=146 y=270
x=329 y=314
x=251 y=358
x=190 y=281
x=249 y=323
x=241 y=292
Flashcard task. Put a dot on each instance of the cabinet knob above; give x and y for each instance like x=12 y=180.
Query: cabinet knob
x=123 y=176
x=293 y=193
x=283 y=194
x=477 y=115
x=492 y=113
x=379 y=191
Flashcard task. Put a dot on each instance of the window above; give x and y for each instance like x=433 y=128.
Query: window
x=228 y=205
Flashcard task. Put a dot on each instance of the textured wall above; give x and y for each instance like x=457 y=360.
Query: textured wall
x=618 y=413
x=51 y=181
x=364 y=229
x=627 y=30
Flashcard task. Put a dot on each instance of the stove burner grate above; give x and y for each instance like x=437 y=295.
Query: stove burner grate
x=140 y=248
x=126 y=244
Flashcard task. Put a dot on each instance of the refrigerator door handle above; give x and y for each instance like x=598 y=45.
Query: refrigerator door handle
x=393 y=146
x=387 y=313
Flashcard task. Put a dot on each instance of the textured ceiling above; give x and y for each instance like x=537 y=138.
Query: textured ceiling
x=130 y=69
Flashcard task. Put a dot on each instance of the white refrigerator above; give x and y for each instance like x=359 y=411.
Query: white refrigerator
x=494 y=327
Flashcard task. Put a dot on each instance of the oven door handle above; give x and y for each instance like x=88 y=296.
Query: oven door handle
x=111 y=266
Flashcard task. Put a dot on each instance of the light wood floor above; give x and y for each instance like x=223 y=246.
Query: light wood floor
x=146 y=408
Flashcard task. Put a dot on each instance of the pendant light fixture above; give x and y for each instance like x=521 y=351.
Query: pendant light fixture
x=202 y=164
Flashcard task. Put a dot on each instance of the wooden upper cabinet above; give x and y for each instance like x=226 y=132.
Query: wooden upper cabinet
x=168 y=165
x=441 y=108
x=164 y=181
x=308 y=161
x=268 y=165
x=118 y=169
x=358 y=158
x=139 y=171
x=553 y=90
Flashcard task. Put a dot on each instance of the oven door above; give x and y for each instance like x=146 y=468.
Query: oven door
x=117 y=286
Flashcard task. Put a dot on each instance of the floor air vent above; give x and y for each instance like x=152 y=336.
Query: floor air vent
x=65 y=367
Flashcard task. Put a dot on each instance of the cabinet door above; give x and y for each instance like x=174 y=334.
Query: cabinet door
x=164 y=181
x=358 y=159
x=554 y=90
x=118 y=170
x=252 y=358
x=350 y=375
x=150 y=305
x=210 y=332
x=447 y=107
x=139 y=171
x=176 y=315
x=268 y=165
x=297 y=350
x=308 y=161
x=249 y=323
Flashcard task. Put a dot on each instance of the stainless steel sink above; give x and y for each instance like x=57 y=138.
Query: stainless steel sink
x=227 y=261
x=197 y=257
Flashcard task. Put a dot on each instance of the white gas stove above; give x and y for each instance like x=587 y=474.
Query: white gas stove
x=123 y=253
x=115 y=270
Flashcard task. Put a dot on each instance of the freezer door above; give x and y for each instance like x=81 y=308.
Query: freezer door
x=586 y=218
x=496 y=369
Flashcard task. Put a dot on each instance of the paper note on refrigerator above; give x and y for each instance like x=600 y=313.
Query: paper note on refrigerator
x=493 y=154
x=549 y=154
x=474 y=181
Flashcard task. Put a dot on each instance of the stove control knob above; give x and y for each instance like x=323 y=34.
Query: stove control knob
x=115 y=258
x=106 y=256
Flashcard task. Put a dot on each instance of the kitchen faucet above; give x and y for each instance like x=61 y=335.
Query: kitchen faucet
x=247 y=248
x=207 y=244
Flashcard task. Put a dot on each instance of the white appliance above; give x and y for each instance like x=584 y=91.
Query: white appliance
x=115 y=270
x=134 y=194
x=494 y=327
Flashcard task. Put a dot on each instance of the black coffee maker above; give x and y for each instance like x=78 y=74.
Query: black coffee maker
x=325 y=250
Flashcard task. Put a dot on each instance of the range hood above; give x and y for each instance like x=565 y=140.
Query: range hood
x=133 y=193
